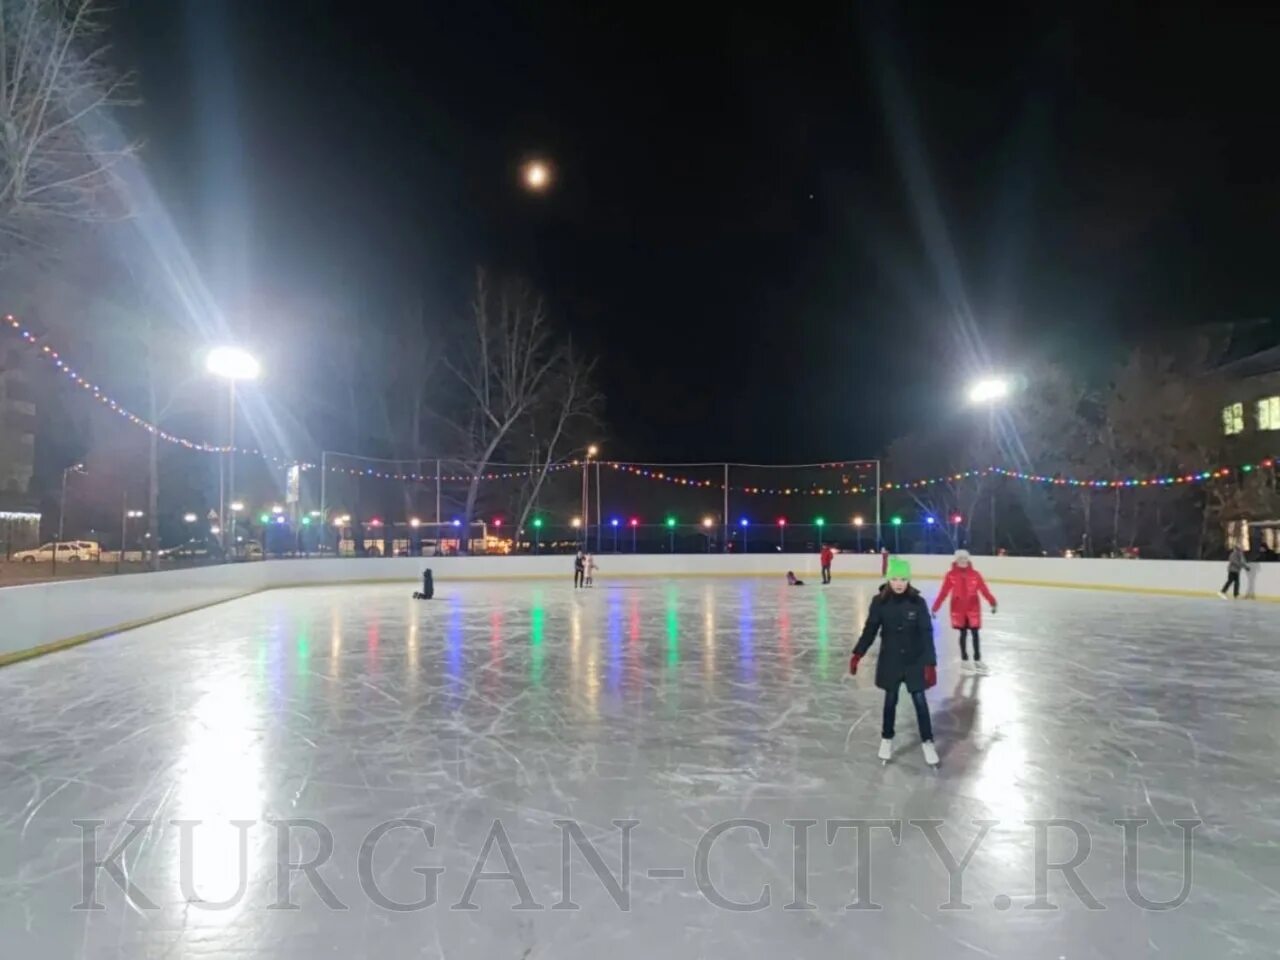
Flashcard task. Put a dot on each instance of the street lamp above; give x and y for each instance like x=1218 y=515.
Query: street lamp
x=857 y=526
x=782 y=533
x=537 y=534
x=592 y=452
x=897 y=534
x=635 y=523
x=707 y=524
x=744 y=523
x=614 y=523
x=671 y=528
x=231 y=364
x=62 y=504
x=189 y=518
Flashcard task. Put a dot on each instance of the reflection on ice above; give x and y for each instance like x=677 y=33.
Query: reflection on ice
x=681 y=704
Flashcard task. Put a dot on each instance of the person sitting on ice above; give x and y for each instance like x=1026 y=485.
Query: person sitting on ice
x=900 y=616
x=964 y=584
x=792 y=581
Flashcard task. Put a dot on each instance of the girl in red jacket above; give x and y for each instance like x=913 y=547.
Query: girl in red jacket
x=965 y=585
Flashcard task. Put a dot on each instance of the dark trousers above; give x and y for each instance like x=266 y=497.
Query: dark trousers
x=826 y=574
x=964 y=649
x=579 y=577
x=1233 y=581
x=891 y=711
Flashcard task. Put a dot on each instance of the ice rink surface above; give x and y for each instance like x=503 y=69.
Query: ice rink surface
x=716 y=713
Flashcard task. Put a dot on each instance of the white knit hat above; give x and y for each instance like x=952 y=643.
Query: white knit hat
x=962 y=555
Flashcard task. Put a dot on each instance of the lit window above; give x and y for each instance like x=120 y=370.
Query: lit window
x=1269 y=413
x=1233 y=419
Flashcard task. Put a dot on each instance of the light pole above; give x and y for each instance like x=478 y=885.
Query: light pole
x=231 y=364
x=897 y=534
x=537 y=535
x=586 y=495
x=929 y=521
x=125 y=516
x=989 y=391
x=671 y=528
x=62 y=503
x=956 y=520
x=857 y=527
x=744 y=523
x=614 y=524
x=635 y=523
x=707 y=524
x=782 y=534
x=820 y=522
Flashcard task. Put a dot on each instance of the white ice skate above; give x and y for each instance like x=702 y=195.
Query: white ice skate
x=966 y=666
x=886 y=751
x=930 y=754
x=980 y=666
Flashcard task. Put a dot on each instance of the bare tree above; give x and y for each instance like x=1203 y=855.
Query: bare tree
x=58 y=147
x=512 y=370
x=573 y=401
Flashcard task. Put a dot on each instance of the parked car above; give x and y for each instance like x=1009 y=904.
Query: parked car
x=71 y=551
x=249 y=550
x=197 y=548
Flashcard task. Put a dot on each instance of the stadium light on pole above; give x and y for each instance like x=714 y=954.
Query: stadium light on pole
x=635 y=523
x=989 y=390
x=857 y=527
x=897 y=534
x=231 y=364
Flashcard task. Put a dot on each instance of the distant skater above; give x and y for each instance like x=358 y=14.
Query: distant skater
x=591 y=570
x=826 y=557
x=792 y=581
x=965 y=585
x=900 y=616
x=1235 y=563
x=579 y=569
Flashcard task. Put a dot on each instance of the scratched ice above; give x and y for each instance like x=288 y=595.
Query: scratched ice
x=682 y=705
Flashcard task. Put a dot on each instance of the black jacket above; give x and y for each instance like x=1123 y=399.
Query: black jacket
x=902 y=620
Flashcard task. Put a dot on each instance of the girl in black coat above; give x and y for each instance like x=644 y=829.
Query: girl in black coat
x=900 y=616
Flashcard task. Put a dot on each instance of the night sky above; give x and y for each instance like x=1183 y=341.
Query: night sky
x=788 y=235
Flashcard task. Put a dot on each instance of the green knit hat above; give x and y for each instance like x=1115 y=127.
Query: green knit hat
x=899 y=568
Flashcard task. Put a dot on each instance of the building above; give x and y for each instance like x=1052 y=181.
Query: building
x=1251 y=422
x=1253 y=396
x=17 y=426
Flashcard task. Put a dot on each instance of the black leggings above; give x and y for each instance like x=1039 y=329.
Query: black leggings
x=579 y=578
x=964 y=649
x=1233 y=580
x=891 y=710
x=826 y=574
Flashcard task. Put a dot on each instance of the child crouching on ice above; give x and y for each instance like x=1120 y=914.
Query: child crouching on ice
x=900 y=616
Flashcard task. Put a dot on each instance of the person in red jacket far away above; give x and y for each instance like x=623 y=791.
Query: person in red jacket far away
x=965 y=585
x=826 y=557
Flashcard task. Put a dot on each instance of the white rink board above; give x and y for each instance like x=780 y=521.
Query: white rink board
x=36 y=615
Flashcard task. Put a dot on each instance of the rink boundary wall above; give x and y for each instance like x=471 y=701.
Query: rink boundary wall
x=41 y=618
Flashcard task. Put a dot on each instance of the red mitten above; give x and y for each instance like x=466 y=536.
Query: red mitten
x=853 y=664
x=930 y=676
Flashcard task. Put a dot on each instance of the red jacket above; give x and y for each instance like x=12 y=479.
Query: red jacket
x=964 y=585
x=827 y=554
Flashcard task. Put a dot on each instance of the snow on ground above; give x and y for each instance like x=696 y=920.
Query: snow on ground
x=716 y=714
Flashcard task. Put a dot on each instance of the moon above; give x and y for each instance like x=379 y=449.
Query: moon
x=536 y=175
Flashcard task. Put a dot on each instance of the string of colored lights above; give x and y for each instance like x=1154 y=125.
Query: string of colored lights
x=61 y=366
x=45 y=351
